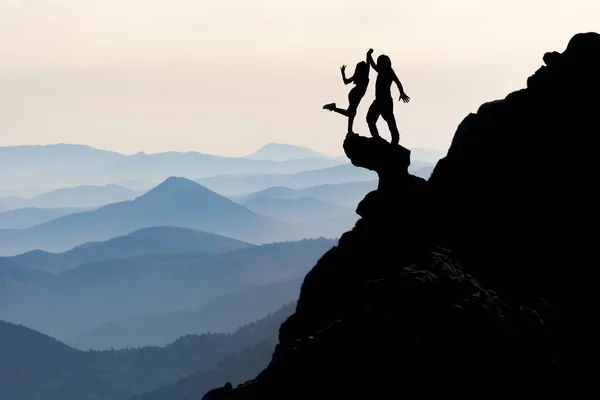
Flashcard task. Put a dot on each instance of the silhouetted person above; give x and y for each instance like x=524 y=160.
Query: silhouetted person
x=383 y=105
x=221 y=393
x=361 y=82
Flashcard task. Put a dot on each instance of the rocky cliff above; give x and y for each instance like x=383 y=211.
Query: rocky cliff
x=477 y=281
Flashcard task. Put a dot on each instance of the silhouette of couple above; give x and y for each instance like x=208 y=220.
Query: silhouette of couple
x=383 y=105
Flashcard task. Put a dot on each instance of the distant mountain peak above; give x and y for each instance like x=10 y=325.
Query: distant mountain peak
x=184 y=191
x=179 y=182
x=173 y=184
x=283 y=152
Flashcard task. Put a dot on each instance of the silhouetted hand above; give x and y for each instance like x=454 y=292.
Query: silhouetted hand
x=370 y=51
x=343 y=68
x=404 y=98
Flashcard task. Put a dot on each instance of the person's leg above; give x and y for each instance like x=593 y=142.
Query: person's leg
x=345 y=113
x=387 y=113
x=372 y=117
x=393 y=129
x=351 y=115
x=354 y=98
x=351 y=122
x=334 y=108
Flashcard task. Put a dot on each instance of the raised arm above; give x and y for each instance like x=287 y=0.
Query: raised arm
x=346 y=80
x=370 y=60
x=403 y=95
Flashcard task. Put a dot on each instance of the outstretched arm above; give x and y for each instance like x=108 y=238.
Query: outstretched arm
x=370 y=60
x=403 y=95
x=346 y=80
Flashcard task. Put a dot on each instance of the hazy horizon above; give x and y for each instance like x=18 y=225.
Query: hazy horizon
x=340 y=152
x=153 y=76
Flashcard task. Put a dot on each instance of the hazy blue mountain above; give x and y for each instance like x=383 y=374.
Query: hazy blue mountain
x=26 y=217
x=35 y=366
x=420 y=154
x=347 y=194
x=53 y=166
x=237 y=368
x=86 y=196
x=146 y=241
x=242 y=184
x=9 y=203
x=300 y=209
x=225 y=314
x=11 y=270
x=427 y=155
x=332 y=227
x=138 y=184
x=54 y=155
x=175 y=202
x=116 y=290
x=83 y=196
x=274 y=192
x=25 y=192
x=229 y=185
x=153 y=167
x=16 y=279
x=283 y=152
x=63 y=165
x=424 y=172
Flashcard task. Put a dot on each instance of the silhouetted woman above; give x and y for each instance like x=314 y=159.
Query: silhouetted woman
x=361 y=82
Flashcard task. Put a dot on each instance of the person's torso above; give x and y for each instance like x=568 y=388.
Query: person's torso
x=383 y=85
x=362 y=83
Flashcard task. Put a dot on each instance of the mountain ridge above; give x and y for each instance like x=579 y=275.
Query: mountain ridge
x=236 y=184
x=100 y=167
x=297 y=210
x=144 y=241
x=175 y=202
x=150 y=284
x=22 y=218
x=36 y=365
x=82 y=196
x=346 y=194
x=224 y=314
x=53 y=166
x=283 y=152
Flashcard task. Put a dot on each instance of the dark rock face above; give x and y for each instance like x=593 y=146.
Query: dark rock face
x=476 y=281
x=221 y=393
x=508 y=182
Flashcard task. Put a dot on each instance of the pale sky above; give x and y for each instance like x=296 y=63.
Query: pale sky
x=227 y=76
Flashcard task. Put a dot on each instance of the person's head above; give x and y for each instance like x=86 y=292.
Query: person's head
x=361 y=70
x=384 y=62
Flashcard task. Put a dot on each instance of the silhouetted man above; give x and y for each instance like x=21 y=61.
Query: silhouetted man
x=383 y=105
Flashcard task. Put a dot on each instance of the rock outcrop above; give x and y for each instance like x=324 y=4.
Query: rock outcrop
x=476 y=282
